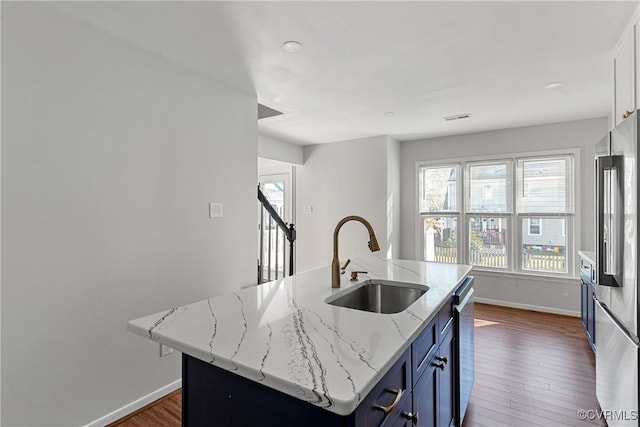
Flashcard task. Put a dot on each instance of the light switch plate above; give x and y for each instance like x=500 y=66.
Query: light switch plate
x=165 y=350
x=308 y=209
x=215 y=210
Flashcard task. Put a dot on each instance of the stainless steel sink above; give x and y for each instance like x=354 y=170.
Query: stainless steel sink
x=379 y=296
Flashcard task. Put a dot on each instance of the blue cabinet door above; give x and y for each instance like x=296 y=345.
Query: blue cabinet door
x=446 y=382
x=405 y=417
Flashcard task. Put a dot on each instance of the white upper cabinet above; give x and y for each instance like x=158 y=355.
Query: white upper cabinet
x=625 y=78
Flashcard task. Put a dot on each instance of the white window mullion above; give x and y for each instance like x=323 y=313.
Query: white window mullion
x=463 y=244
x=462 y=218
x=517 y=244
x=516 y=235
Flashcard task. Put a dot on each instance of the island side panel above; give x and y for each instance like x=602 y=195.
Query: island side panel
x=212 y=396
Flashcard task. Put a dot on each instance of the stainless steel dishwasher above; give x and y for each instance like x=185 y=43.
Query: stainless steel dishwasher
x=464 y=346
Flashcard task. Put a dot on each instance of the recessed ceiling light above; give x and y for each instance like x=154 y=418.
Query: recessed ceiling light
x=553 y=85
x=292 y=46
x=389 y=114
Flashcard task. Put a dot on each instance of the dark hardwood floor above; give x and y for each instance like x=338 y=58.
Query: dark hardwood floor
x=164 y=412
x=532 y=369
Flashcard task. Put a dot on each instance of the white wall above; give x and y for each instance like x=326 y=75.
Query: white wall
x=275 y=149
x=356 y=177
x=110 y=156
x=582 y=134
x=393 y=198
x=340 y=179
x=273 y=167
x=1 y=20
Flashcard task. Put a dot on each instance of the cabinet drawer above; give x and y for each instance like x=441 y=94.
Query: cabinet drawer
x=423 y=349
x=390 y=392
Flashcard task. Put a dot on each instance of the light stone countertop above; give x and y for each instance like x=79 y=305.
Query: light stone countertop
x=589 y=256
x=283 y=335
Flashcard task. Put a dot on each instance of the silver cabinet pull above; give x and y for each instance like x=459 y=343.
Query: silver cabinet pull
x=439 y=365
x=386 y=409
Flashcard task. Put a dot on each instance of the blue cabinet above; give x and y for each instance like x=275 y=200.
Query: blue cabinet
x=405 y=417
x=434 y=381
x=418 y=390
x=425 y=397
x=587 y=303
x=387 y=398
x=212 y=396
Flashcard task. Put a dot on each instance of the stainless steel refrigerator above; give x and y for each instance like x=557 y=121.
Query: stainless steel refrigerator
x=617 y=274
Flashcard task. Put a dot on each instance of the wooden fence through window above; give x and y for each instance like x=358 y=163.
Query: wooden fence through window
x=555 y=263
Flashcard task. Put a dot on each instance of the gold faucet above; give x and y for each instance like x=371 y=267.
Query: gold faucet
x=335 y=264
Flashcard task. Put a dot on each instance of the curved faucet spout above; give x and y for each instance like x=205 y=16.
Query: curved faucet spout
x=335 y=263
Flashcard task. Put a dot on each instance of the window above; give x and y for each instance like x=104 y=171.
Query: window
x=488 y=241
x=510 y=214
x=438 y=187
x=441 y=240
x=439 y=190
x=547 y=207
x=497 y=176
x=488 y=227
x=535 y=226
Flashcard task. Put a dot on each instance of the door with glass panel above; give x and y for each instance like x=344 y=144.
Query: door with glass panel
x=273 y=247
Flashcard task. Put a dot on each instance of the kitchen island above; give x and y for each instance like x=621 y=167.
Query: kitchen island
x=283 y=336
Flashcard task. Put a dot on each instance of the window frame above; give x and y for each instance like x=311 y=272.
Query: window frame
x=514 y=218
x=441 y=214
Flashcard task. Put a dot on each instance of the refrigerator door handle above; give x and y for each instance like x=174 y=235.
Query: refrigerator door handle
x=610 y=206
x=632 y=339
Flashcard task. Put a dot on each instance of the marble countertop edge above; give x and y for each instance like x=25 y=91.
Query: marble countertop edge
x=283 y=335
x=589 y=256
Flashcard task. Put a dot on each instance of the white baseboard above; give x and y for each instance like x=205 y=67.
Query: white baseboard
x=135 y=405
x=528 y=307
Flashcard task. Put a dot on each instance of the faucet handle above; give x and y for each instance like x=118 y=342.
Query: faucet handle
x=345 y=265
x=354 y=274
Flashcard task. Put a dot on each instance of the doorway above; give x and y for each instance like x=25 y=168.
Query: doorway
x=276 y=183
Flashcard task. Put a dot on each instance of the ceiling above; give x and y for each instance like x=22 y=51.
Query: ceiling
x=420 y=60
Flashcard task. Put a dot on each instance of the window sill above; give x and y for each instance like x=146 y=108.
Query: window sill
x=526 y=276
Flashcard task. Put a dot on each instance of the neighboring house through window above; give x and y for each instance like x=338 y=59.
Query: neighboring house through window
x=514 y=213
x=535 y=227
